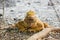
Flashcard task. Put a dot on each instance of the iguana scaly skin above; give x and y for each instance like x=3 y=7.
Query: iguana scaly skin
x=31 y=23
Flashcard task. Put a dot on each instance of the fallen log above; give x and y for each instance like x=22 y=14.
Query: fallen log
x=42 y=33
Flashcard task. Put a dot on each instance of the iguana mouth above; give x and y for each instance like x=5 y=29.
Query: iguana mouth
x=30 y=20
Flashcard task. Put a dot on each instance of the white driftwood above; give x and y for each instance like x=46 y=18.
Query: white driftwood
x=40 y=34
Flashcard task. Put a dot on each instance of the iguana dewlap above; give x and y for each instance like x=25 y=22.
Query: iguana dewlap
x=31 y=23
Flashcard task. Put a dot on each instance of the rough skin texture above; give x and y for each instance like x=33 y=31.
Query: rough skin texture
x=31 y=23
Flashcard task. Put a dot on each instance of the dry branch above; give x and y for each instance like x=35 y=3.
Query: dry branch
x=42 y=34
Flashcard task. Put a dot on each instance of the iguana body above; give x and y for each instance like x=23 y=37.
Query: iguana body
x=31 y=23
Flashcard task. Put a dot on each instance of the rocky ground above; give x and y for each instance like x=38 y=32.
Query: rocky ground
x=13 y=35
x=47 y=10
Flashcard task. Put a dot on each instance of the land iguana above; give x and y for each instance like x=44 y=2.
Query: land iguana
x=31 y=23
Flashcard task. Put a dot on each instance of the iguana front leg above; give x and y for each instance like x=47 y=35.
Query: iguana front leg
x=46 y=25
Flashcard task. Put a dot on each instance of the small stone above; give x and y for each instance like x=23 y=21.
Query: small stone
x=29 y=3
x=11 y=10
x=1 y=15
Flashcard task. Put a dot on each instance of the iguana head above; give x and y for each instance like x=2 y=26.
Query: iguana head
x=30 y=17
x=30 y=13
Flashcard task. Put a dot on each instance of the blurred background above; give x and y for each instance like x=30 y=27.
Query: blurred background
x=13 y=10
